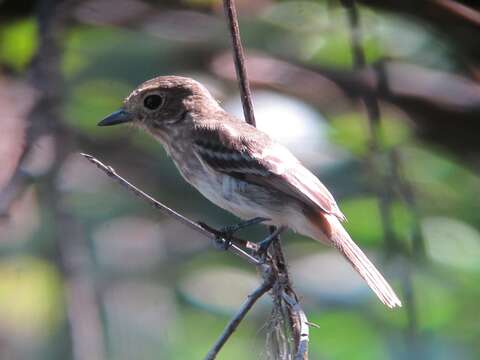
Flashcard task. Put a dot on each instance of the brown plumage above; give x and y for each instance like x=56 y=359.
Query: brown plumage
x=240 y=168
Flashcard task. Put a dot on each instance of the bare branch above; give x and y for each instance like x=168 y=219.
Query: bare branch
x=13 y=191
x=276 y=262
x=239 y=58
x=302 y=326
x=235 y=321
x=374 y=117
x=205 y=231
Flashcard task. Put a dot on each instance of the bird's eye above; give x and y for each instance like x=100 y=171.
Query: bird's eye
x=153 y=102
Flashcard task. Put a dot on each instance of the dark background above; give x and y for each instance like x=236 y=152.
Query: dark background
x=87 y=271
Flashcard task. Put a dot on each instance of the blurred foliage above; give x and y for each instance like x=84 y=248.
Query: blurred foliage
x=198 y=288
x=364 y=341
x=92 y=100
x=18 y=43
x=30 y=296
x=364 y=220
x=351 y=131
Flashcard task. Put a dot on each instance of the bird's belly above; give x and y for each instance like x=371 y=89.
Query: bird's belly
x=248 y=201
x=241 y=198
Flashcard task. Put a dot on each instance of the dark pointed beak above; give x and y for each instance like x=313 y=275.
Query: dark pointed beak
x=118 y=117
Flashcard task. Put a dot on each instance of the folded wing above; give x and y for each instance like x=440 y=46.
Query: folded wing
x=254 y=157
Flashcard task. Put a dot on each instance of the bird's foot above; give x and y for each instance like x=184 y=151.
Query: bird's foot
x=224 y=236
x=230 y=230
x=221 y=242
x=264 y=245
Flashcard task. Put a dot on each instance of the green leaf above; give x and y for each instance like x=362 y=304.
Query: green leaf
x=344 y=335
x=442 y=185
x=436 y=304
x=363 y=220
x=350 y=130
x=18 y=43
x=91 y=101
x=30 y=296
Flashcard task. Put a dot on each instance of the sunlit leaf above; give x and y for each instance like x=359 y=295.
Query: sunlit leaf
x=452 y=242
x=435 y=303
x=351 y=130
x=364 y=221
x=18 y=43
x=30 y=296
x=442 y=184
x=345 y=335
x=298 y=16
x=91 y=101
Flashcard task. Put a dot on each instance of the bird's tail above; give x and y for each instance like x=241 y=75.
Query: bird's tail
x=338 y=236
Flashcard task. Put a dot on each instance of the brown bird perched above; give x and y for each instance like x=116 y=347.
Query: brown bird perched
x=240 y=168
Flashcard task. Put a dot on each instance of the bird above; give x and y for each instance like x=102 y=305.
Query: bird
x=240 y=168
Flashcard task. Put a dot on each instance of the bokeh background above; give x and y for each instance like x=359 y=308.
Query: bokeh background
x=88 y=271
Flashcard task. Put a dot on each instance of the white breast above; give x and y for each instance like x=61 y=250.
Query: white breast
x=228 y=193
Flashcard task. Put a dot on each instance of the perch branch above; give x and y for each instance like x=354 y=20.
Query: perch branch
x=239 y=59
x=235 y=321
x=205 y=231
x=302 y=326
x=276 y=262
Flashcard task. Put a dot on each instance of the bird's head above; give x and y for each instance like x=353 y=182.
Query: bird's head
x=164 y=104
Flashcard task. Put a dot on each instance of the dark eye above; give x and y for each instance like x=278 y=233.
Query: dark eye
x=153 y=102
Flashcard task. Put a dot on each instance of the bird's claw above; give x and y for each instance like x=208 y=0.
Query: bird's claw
x=223 y=243
x=222 y=238
x=265 y=243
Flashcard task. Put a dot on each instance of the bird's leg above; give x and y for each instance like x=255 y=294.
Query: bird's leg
x=265 y=243
x=230 y=230
x=226 y=233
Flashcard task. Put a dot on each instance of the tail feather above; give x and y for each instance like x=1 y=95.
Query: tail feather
x=344 y=243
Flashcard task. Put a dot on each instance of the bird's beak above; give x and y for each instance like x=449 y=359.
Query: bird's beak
x=118 y=117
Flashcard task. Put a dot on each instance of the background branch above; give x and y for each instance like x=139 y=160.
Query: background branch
x=372 y=108
x=68 y=249
x=386 y=183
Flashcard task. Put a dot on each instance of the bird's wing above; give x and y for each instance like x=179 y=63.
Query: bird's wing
x=246 y=153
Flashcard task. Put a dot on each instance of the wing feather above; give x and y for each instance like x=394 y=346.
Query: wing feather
x=257 y=159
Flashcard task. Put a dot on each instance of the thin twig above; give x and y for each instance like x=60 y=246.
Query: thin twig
x=206 y=232
x=235 y=321
x=407 y=192
x=276 y=261
x=302 y=324
x=239 y=58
